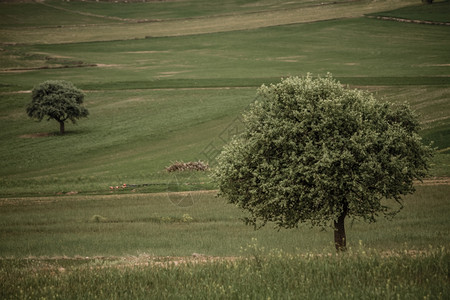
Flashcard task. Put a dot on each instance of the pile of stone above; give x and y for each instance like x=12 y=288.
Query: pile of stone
x=188 y=166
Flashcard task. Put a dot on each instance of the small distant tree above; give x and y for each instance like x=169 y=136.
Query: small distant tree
x=314 y=151
x=58 y=100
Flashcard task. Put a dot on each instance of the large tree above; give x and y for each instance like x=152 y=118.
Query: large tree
x=315 y=151
x=58 y=100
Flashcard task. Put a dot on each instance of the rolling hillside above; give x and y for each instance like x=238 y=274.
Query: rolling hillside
x=167 y=81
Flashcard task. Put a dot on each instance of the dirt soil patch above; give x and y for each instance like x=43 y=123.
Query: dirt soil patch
x=146 y=260
x=434 y=181
x=36 y=135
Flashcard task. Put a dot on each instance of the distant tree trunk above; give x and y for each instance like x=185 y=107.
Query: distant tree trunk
x=61 y=127
x=427 y=1
x=340 y=240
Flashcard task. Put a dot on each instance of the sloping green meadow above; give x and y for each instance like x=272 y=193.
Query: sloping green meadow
x=158 y=100
x=167 y=81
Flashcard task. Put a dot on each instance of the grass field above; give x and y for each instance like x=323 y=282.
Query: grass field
x=177 y=95
x=193 y=246
x=260 y=276
x=179 y=224
x=211 y=17
x=166 y=81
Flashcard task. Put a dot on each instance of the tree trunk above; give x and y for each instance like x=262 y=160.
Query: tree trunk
x=61 y=127
x=340 y=240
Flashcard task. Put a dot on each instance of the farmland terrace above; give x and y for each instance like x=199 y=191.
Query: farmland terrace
x=94 y=22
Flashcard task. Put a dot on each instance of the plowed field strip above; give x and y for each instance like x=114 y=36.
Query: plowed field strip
x=221 y=23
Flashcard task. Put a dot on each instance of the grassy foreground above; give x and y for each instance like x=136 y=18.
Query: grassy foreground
x=179 y=224
x=193 y=246
x=257 y=275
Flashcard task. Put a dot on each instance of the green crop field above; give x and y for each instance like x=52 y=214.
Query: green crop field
x=167 y=81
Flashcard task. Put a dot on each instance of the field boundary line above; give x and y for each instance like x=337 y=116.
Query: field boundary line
x=149 y=89
x=433 y=181
x=42 y=2
x=128 y=20
x=54 y=198
x=409 y=20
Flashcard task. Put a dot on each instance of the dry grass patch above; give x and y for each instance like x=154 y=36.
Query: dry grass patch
x=36 y=135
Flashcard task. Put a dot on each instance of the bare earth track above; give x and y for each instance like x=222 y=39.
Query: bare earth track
x=151 y=261
x=434 y=181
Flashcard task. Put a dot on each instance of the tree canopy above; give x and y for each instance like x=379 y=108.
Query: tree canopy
x=58 y=100
x=315 y=151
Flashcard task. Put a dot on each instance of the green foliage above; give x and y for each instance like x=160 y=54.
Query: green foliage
x=57 y=100
x=314 y=151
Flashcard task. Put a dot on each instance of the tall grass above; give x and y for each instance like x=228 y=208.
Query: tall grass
x=142 y=246
x=256 y=275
